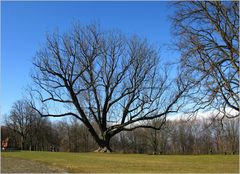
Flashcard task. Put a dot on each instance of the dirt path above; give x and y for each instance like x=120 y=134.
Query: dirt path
x=13 y=165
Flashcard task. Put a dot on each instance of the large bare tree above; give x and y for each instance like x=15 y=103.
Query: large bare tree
x=110 y=82
x=207 y=35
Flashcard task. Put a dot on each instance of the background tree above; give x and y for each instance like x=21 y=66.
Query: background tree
x=110 y=82
x=232 y=135
x=207 y=35
x=197 y=136
x=27 y=130
x=20 y=120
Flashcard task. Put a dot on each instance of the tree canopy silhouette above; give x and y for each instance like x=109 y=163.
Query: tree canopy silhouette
x=109 y=81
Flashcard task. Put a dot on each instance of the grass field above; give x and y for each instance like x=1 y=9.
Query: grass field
x=98 y=162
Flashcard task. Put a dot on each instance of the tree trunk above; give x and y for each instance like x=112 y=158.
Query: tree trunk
x=22 y=142
x=104 y=146
x=103 y=141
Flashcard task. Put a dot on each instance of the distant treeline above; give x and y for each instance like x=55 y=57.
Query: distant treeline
x=30 y=131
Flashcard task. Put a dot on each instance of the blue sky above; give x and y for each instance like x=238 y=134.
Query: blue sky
x=24 y=26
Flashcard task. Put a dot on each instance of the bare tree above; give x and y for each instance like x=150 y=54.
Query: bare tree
x=110 y=82
x=207 y=33
x=231 y=129
x=27 y=129
x=19 y=120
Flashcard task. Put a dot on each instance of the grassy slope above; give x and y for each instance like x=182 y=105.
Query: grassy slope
x=96 y=162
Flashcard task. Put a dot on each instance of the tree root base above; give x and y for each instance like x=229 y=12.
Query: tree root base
x=103 y=150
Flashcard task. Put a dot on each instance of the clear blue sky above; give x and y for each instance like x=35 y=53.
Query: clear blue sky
x=24 y=25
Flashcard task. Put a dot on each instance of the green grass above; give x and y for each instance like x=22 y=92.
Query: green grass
x=107 y=163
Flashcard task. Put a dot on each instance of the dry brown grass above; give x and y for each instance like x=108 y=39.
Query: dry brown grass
x=133 y=163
